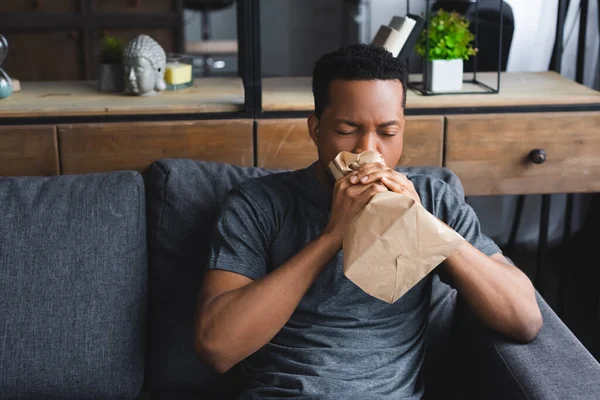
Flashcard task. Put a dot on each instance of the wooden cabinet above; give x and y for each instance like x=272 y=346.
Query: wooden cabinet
x=285 y=143
x=59 y=40
x=133 y=6
x=42 y=6
x=496 y=154
x=28 y=151
x=86 y=148
x=44 y=55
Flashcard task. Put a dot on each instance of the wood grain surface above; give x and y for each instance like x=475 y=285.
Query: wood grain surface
x=88 y=148
x=490 y=152
x=516 y=89
x=28 y=151
x=286 y=144
x=60 y=99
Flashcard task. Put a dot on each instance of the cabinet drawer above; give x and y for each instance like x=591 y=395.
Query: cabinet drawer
x=285 y=143
x=28 y=151
x=88 y=148
x=492 y=154
x=43 y=6
x=133 y=6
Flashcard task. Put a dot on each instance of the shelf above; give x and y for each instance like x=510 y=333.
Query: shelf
x=516 y=89
x=80 y=98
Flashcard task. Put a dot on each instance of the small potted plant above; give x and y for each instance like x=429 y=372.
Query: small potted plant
x=450 y=44
x=111 y=77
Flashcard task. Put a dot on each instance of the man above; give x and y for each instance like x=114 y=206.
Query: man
x=274 y=297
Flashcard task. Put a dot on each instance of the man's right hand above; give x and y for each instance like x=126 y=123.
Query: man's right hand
x=348 y=200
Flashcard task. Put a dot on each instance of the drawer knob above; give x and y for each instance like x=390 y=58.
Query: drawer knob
x=537 y=156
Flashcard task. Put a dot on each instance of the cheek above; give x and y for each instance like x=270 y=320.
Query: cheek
x=392 y=151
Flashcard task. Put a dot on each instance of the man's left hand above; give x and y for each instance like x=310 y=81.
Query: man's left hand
x=393 y=180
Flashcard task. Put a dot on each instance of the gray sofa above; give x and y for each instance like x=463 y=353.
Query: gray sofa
x=98 y=281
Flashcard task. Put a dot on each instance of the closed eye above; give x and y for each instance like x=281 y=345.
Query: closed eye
x=345 y=133
x=388 y=133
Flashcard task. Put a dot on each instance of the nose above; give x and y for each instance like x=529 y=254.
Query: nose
x=131 y=75
x=366 y=142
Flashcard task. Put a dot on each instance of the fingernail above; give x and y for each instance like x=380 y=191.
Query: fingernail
x=364 y=178
x=353 y=179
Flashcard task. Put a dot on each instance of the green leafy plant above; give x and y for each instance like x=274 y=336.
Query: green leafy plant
x=449 y=37
x=111 y=51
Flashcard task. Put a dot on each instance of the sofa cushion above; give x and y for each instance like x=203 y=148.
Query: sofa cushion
x=73 y=277
x=183 y=199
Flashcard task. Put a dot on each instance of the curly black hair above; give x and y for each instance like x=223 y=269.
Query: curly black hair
x=355 y=62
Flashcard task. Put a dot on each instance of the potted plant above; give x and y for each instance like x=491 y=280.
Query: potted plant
x=111 y=77
x=449 y=43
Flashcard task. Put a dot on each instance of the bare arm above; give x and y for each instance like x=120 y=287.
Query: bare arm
x=499 y=293
x=237 y=316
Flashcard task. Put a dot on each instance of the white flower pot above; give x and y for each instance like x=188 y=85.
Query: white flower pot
x=111 y=78
x=445 y=75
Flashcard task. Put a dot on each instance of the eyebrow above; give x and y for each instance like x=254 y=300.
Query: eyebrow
x=356 y=124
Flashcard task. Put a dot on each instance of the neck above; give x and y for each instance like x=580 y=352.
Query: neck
x=324 y=176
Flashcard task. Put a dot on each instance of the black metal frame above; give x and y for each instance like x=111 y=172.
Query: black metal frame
x=421 y=86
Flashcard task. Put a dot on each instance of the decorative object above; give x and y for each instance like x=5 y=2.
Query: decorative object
x=179 y=71
x=449 y=39
x=6 y=88
x=16 y=84
x=144 y=62
x=111 y=78
x=400 y=36
x=445 y=44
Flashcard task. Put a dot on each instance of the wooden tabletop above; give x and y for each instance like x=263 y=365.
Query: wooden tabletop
x=516 y=89
x=60 y=98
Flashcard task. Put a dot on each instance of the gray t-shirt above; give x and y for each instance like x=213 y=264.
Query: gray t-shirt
x=340 y=343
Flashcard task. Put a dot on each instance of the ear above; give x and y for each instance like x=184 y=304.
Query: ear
x=313 y=128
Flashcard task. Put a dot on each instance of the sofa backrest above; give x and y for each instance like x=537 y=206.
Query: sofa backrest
x=73 y=275
x=183 y=199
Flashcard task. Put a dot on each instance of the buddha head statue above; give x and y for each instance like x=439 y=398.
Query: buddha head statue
x=144 y=62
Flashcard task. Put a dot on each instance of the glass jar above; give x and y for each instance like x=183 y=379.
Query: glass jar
x=179 y=71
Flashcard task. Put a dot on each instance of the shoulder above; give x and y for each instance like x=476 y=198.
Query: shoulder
x=272 y=186
x=435 y=185
x=266 y=197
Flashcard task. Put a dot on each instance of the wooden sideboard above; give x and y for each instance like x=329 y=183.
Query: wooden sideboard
x=52 y=128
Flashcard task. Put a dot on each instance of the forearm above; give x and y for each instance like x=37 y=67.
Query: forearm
x=499 y=294
x=239 y=322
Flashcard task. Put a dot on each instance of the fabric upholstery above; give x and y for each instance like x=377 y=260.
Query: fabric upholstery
x=183 y=199
x=73 y=275
x=554 y=366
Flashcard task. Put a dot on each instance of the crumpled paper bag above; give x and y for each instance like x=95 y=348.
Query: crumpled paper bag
x=394 y=242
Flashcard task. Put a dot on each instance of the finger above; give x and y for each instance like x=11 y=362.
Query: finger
x=392 y=185
x=396 y=187
x=356 y=190
x=366 y=171
x=371 y=191
x=376 y=176
x=342 y=183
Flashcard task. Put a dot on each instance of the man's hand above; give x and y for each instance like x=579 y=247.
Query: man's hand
x=348 y=200
x=393 y=180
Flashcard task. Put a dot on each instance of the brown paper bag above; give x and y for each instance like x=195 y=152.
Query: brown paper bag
x=393 y=243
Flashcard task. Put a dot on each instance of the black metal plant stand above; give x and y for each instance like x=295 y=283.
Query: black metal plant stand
x=421 y=86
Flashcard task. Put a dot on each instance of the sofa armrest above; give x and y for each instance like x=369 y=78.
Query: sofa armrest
x=553 y=366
